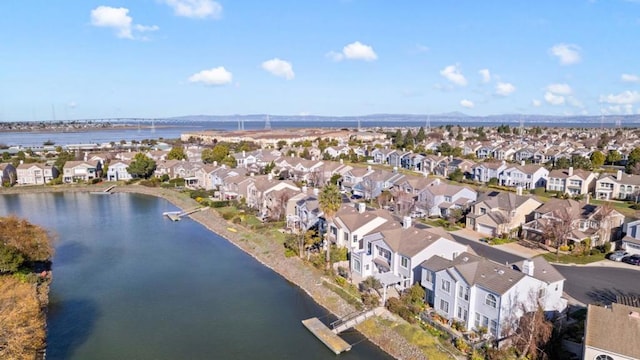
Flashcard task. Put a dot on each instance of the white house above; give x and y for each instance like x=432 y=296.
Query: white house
x=117 y=171
x=525 y=176
x=631 y=242
x=573 y=182
x=480 y=293
x=351 y=224
x=485 y=171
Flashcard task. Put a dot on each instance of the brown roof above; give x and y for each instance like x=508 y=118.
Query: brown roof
x=542 y=270
x=615 y=329
x=409 y=241
x=503 y=200
x=563 y=173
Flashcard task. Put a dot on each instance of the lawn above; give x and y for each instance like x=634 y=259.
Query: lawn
x=623 y=207
x=573 y=259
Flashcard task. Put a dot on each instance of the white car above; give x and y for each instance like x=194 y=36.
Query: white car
x=618 y=255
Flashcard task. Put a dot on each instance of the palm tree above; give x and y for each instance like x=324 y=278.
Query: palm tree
x=329 y=201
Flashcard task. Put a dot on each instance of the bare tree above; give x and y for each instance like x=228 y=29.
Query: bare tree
x=279 y=205
x=557 y=228
x=368 y=186
x=603 y=216
x=527 y=328
x=403 y=201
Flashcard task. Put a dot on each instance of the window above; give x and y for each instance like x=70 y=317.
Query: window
x=446 y=285
x=491 y=300
x=462 y=313
x=483 y=211
x=541 y=293
x=356 y=265
x=463 y=292
x=494 y=328
x=485 y=321
x=355 y=239
x=444 y=306
x=345 y=236
x=404 y=262
x=476 y=324
x=428 y=276
x=368 y=248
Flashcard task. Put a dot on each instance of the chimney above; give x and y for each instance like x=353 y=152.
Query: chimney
x=304 y=189
x=368 y=168
x=522 y=163
x=244 y=153
x=619 y=175
x=439 y=154
x=406 y=222
x=341 y=161
x=395 y=169
x=86 y=156
x=527 y=267
x=519 y=190
x=570 y=170
x=270 y=176
x=316 y=191
x=587 y=198
x=361 y=207
x=215 y=163
x=504 y=162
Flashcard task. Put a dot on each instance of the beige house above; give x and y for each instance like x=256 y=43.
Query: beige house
x=351 y=224
x=572 y=182
x=612 y=333
x=35 y=174
x=496 y=212
x=621 y=186
x=80 y=171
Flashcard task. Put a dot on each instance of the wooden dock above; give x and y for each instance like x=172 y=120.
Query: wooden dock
x=328 y=337
x=106 y=191
x=177 y=215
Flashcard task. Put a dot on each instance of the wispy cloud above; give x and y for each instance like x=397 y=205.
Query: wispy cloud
x=625 y=97
x=630 y=78
x=505 y=89
x=119 y=20
x=454 y=75
x=567 y=54
x=196 y=9
x=486 y=75
x=467 y=104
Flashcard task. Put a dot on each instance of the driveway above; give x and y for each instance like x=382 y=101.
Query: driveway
x=599 y=282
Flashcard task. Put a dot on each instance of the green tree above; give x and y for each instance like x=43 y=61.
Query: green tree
x=29 y=240
x=217 y=154
x=142 y=166
x=409 y=140
x=633 y=159
x=420 y=136
x=597 y=159
x=398 y=140
x=456 y=175
x=177 y=153
x=10 y=259
x=613 y=157
x=562 y=163
x=330 y=201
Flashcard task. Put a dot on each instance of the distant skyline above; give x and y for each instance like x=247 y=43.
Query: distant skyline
x=164 y=58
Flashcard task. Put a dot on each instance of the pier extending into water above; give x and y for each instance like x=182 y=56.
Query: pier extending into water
x=330 y=337
x=177 y=215
x=106 y=191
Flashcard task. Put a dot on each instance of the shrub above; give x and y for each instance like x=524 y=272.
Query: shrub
x=219 y=204
x=237 y=220
x=370 y=300
x=370 y=283
x=462 y=345
x=228 y=215
x=95 y=180
x=340 y=280
x=564 y=248
x=594 y=252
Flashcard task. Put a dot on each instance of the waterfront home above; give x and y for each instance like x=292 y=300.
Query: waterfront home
x=8 y=174
x=117 y=171
x=259 y=187
x=303 y=211
x=482 y=294
x=525 y=176
x=587 y=222
x=165 y=168
x=234 y=187
x=157 y=155
x=352 y=223
x=298 y=169
x=612 y=332
x=441 y=198
x=80 y=171
x=572 y=182
x=631 y=241
x=394 y=252
x=496 y=213
x=35 y=174
x=619 y=186
x=485 y=171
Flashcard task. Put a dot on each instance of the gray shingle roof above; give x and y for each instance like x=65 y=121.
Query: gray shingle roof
x=615 y=329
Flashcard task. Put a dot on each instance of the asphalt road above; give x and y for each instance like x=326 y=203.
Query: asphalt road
x=587 y=284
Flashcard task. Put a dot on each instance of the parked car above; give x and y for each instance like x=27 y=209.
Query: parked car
x=632 y=259
x=618 y=255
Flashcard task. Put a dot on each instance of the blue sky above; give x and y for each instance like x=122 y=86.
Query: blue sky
x=160 y=58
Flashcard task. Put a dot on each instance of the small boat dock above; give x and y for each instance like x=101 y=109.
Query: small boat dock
x=106 y=191
x=177 y=215
x=330 y=337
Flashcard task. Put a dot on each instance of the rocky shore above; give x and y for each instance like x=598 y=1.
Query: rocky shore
x=270 y=254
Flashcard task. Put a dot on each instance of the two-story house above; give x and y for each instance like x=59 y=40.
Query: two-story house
x=612 y=332
x=352 y=223
x=394 y=252
x=485 y=171
x=496 y=213
x=588 y=221
x=572 y=182
x=631 y=241
x=117 y=171
x=480 y=293
x=620 y=186
x=80 y=171
x=525 y=176
x=438 y=200
x=35 y=174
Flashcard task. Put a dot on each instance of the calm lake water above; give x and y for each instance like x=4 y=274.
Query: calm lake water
x=129 y=284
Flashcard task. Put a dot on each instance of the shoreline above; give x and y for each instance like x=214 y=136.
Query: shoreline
x=267 y=253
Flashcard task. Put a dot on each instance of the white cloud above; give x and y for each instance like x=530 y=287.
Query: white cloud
x=119 y=20
x=505 y=89
x=630 y=78
x=536 y=103
x=354 y=51
x=359 y=51
x=568 y=54
x=116 y=18
x=553 y=99
x=214 y=76
x=467 y=104
x=279 y=68
x=197 y=9
x=575 y=102
x=625 y=97
x=486 y=75
x=453 y=74
x=560 y=89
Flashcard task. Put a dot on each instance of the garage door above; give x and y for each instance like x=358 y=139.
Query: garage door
x=487 y=230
